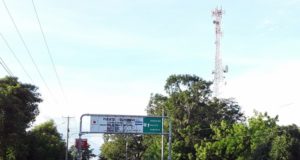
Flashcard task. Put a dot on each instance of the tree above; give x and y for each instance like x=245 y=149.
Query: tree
x=228 y=142
x=72 y=153
x=204 y=127
x=114 y=147
x=87 y=153
x=261 y=138
x=262 y=130
x=192 y=109
x=46 y=143
x=18 y=110
x=287 y=144
x=153 y=147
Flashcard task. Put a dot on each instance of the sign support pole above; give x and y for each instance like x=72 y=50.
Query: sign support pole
x=126 y=145
x=80 y=134
x=170 y=140
x=162 y=136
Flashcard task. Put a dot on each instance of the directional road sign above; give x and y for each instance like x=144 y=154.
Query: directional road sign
x=114 y=124
x=152 y=125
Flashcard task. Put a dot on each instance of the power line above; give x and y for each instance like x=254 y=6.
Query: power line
x=15 y=56
x=6 y=67
x=48 y=50
x=27 y=49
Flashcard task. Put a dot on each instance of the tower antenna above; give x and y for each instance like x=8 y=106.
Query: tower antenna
x=219 y=70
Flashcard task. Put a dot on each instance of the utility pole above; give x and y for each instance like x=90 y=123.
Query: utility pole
x=68 y=130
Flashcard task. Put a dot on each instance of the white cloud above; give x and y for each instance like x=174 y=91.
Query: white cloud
x=274 y=90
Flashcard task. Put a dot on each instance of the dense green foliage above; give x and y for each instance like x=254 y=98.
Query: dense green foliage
x=115 y=147
x=191 y=108
x=46 y=143
x=203 y=128
x=260 y=138
x=207 y=128
x=18 y=109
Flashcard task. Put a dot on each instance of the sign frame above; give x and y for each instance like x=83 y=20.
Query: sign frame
x=137 y=116
x=126 y=124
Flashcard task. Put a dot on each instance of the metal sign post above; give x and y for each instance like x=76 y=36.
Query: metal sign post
x=162 y=136
x=80 y=134
x=124 y=124
x=170 y=140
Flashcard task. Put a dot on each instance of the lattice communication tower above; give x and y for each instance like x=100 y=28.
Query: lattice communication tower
x=219 y=70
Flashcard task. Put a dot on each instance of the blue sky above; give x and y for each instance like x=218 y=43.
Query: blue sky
x=111 y=55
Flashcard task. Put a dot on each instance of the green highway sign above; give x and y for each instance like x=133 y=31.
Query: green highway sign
x=152 y=125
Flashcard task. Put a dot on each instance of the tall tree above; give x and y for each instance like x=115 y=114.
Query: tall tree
x=18 y=109
x=46 y=143
x=192 y=109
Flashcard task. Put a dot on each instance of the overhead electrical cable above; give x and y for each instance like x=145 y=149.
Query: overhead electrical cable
x=27 y=49
x=5 y=67
x=48 y=50
x=15 y=56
